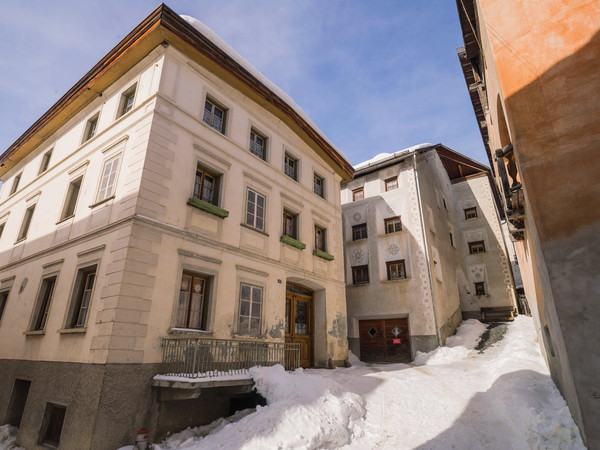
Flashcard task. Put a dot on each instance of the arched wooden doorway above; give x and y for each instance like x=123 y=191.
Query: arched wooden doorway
x=299 y=320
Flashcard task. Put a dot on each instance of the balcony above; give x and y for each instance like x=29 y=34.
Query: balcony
x=192 y=364
x=511 y=192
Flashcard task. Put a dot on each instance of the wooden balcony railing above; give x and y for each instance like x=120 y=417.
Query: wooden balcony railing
x=209 y=358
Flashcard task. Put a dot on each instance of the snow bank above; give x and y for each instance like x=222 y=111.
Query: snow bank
x=8 y=436
x=457 y=347
x=303 y=411
x=353 y=360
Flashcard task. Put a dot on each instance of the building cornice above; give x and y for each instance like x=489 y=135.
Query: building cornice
x=164 y=26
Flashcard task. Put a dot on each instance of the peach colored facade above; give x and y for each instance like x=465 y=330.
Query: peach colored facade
x=532 y=70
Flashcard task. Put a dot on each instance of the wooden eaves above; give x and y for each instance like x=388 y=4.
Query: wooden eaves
x=164 y=26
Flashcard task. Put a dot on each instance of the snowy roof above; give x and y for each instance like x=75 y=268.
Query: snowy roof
x=385 y=156
x=214 y=37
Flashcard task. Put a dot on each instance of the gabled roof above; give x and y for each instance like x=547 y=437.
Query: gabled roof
x=163 y=25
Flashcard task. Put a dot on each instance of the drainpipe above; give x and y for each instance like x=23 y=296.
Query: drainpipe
x=424 y=232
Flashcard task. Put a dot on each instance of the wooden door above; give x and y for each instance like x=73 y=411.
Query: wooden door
x=385 y=340
x=298 y=324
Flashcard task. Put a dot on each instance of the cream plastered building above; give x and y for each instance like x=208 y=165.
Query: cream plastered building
x=423 y=250
x=172 y=193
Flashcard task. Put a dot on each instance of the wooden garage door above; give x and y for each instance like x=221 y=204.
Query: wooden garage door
x=379 y=342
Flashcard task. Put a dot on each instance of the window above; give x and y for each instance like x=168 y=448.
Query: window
x=206 y=187
x=127 y=99
x=479 y=288
x=451 y=240
x=2 y=228
x=15 y=184
x=43 y=303
x=360 y=274
x=444 y=202
x=290 y=224
x=470 y=213
x=250 y=309
x=45 y=162
x=358 y=194
x=82 y=296
x=3 y=300
x=71 y=200
x=52 y=424
x=26 y=222
x=290 y=167
x=391 y=184
x=396 y=270
x=320 y=239
x=393 y=224
x=359 y=232
x=255 y=210
x=90 y=127
x=258 y=144
x=476 y=247
x=109 y=178
x=214 y=116
x=319 y=185
x=193 y=302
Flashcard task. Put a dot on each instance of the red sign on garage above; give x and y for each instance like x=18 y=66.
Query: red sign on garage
x=396 y=341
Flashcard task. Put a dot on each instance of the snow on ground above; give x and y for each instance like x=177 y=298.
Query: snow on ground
x=455 y=397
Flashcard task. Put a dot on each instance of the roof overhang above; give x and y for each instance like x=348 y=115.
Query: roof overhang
x=163 y=25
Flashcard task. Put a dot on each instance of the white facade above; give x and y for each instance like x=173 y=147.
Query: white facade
x=409 y=237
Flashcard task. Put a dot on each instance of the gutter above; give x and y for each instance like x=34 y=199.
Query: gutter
x=424 y=232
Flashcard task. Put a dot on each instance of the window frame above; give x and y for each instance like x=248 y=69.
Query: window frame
x=254 y=134
x=78 y=295
x=392 y=221
x=358 y=275
x=125 y=105
x=291 y=170
x=26 y=223
x=468 y=212
x=391 y=184
x=47 y=424
x=45 y=164
x=400 y=263
x=203 y=313
x=477 y=247
x=359 y=192
x=91 y=126
x=317 y=177
x=117 y=166
x=359 y=227
x=198 y=193
x=210 y=120
x=250 y=331
x=292 y=229
x=4 y=294
x=71 y=202
x=43 y=302
x=255 y=211
x=323 y=239
x=15 y=184
x=480 y=288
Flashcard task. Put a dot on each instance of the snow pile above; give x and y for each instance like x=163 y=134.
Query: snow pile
x=500 y=399
x=353 y=359
x=457 y=347
x=381 y=156
x=216 y=39
x=8 y=436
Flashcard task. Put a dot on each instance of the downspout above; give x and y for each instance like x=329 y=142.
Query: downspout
x=424 y=232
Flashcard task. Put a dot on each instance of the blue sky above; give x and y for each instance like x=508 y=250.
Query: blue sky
x=375 y=76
